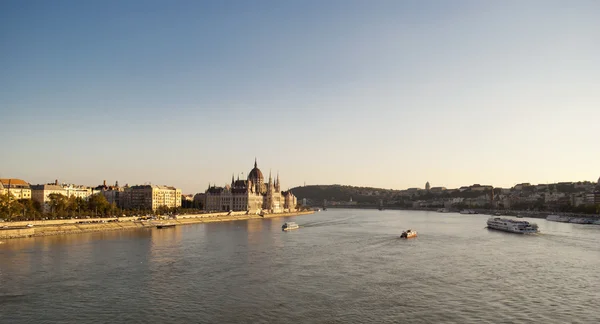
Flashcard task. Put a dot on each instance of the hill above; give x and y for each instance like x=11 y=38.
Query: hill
x=360 y=195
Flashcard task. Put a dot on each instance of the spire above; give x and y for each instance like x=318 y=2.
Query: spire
x=255 y=165
x=232 y=180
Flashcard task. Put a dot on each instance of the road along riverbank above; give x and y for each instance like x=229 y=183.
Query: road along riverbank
x=58 y=227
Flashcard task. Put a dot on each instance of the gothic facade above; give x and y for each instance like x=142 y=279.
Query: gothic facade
x=252 y=195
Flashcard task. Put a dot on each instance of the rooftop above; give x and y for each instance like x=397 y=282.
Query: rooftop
x=13 y=183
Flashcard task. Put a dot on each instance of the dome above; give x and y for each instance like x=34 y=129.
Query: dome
x=255 y=175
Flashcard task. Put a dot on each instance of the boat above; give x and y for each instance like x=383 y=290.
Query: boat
x=289 y=226
x=468 y=211
x=558 y=218
x=581 y=221
x=167 y=225
x=408 y=234
x=512 y=226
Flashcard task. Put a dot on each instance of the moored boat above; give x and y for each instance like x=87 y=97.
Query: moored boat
x=408 y=234
x=512 y=226
x=289 y=226
x=558 y=218
x=167 y=225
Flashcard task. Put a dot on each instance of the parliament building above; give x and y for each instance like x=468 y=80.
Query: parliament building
x=252 y=195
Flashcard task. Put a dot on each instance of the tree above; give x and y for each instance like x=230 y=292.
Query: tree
x=30 y=209
x=98 y=205
x=58 y=205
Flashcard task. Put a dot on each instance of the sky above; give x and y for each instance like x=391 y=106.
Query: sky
x=386 y=94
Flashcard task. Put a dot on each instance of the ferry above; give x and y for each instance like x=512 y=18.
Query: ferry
x=289 y=226
x=512 y=226
x=408 y=234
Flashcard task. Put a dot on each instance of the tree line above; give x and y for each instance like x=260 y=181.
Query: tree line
x=61 y=207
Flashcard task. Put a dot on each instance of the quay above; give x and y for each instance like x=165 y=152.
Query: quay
x=9 y=230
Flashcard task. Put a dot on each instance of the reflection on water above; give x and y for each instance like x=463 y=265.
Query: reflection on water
x=341 y=266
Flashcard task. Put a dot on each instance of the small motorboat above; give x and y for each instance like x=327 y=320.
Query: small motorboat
x=408 y=234
x=289 y=226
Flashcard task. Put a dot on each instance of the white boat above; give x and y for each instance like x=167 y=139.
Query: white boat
x=558 y=218
x=468 y=211
x=512 y=226
x=581 y=221
x=289 y=226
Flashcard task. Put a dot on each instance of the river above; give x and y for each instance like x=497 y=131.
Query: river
x=341 y=266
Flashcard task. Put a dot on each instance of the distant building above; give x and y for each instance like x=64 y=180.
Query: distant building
x=18 y=189
x=478 y=187
x=592 y=198
x=520 y=186
x=427 y=186
x=252 y=195
x=111 y=193
x=437 y=189
x=150 y=197
x=41 y=193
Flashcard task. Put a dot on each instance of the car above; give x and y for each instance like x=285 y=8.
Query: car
x=29 y=225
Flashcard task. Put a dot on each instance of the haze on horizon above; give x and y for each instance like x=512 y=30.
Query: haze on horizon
x=386 y=94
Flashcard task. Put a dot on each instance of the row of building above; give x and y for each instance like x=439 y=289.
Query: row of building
x=551 y=196
x=253 y=194
x=128 y=197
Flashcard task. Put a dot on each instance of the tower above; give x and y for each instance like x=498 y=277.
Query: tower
x=427 y=186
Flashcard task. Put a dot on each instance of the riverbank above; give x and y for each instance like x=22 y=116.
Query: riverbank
x=61 y=227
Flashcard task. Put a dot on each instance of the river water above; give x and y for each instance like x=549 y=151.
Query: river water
x=341 y=266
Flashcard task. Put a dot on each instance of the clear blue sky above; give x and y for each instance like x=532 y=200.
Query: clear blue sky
x=373 y=93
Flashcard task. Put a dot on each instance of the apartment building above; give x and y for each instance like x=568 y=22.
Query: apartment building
x=18 y=189
x=150 y=197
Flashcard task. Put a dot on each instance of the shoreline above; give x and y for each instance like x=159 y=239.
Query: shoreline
x=103 y=225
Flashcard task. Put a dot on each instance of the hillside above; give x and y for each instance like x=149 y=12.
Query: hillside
x=361 y=195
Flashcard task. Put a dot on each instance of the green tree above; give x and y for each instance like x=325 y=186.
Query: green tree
x=58 y=205
x=31 y=209
x=98 y=205
x=10 y=208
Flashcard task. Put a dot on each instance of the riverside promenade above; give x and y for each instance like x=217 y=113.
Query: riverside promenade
x=74 y=226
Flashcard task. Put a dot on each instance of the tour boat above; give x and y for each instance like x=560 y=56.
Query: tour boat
x=289 y=226
x=512 y=226
x=165 y=225
x=408 y=234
